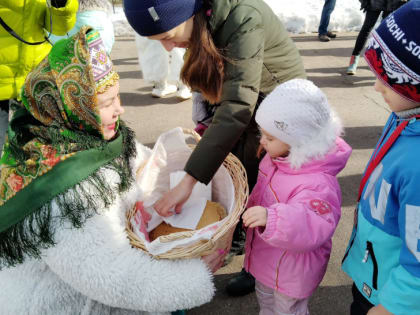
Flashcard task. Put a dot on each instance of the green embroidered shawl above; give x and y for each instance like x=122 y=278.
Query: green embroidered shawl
x=55 y=143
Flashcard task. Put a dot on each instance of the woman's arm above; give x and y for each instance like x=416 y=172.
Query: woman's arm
x=240 y=93
x=176 y=197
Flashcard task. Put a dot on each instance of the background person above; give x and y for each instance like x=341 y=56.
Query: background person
x=162 y=68
x=30 y=20
x=323 y=34
x=97 y=14
x=372 y=9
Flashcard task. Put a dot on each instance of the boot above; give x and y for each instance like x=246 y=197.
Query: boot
x=331 y=34
x=323 y=38
x=242 y=284
x=163 y=88
x=184 y=92
x=354 y=61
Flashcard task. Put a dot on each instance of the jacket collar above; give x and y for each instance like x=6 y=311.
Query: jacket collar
x=331 y=163
x=220 y=11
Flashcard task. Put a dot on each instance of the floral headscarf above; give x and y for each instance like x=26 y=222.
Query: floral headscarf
x=55 y=142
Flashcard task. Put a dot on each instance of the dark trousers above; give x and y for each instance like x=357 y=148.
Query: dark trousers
x=4 y=105
x=360 y=305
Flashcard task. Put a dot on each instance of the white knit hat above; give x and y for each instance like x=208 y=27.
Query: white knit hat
x=297 y=112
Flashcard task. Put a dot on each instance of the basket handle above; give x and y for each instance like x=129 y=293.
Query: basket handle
x=192 y=133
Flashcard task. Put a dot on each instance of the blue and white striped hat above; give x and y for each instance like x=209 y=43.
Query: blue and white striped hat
x=393 y=51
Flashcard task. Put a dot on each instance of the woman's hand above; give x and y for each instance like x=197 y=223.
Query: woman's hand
x=378 y=310
x=255 y=216
x=175 y=197
x=215 y=260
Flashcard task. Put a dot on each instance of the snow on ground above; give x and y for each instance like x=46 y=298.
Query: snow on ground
x=299 y=16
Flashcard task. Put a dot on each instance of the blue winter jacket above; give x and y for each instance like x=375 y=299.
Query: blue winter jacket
x=383 y=256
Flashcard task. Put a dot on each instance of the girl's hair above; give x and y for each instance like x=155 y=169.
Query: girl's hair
x=203 y=68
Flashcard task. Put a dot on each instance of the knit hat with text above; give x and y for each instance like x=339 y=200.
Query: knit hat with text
x=152 y=17
x=297 y=112
x=393 y=51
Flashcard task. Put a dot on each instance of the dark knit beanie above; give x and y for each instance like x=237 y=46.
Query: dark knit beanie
x=393 y=51
x=151 y=17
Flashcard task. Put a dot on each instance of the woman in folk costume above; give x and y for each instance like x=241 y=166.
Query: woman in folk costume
x=67 y=178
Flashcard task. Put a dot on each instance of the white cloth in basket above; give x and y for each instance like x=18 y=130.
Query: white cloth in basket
x=192 y=210
x=170 y=154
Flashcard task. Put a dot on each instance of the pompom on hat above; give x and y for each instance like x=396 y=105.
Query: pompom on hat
x=152 y=17
x=297 y=113
x=393 y=51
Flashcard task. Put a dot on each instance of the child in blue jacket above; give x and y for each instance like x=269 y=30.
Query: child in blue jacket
x=383 y=256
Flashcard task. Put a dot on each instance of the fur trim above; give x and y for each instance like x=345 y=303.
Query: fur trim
x=94 y=270
x=318 y=146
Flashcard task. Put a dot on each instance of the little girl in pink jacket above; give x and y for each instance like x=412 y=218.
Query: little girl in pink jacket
x=296 y=204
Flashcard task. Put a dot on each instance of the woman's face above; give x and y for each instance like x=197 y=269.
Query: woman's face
x=177 y=37
x=110 y=110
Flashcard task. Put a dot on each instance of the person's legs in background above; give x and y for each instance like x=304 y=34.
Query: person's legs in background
x=370 y=19
x=176 y=62
x=155 y=63
x=323 y=34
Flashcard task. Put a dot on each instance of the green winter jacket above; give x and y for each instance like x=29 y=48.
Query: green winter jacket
x=261 y=55
x=28 y=18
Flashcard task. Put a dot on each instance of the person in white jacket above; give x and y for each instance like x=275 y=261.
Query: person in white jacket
x=67 y=178
x=94 y=13
x=162 y=68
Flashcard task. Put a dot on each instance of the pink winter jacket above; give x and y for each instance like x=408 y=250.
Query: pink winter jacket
x=291 y=253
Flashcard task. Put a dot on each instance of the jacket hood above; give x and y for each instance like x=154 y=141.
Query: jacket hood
x=332 y=163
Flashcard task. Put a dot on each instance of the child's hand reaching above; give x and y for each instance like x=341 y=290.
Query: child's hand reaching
x=255 y=216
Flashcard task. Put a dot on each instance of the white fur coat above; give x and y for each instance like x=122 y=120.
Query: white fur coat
x=94 y=270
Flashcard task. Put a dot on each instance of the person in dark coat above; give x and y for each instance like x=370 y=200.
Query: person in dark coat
x=238 y=52
x=372 y=9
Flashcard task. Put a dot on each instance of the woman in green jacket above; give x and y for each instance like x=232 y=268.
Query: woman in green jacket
x=238 y=52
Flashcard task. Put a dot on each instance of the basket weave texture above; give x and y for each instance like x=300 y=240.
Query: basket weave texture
x=222 y=237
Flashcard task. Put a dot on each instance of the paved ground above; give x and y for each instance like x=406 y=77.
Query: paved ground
x=363 y=113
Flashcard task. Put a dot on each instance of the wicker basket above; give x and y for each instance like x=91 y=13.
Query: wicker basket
x=222 y=237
